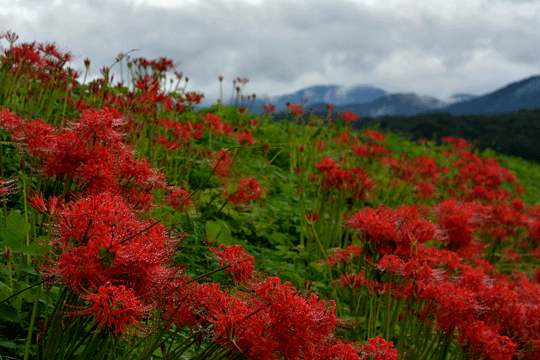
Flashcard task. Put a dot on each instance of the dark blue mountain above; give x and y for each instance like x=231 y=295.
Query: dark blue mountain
x=524 y=94
x=393 y=104
x=328 y=94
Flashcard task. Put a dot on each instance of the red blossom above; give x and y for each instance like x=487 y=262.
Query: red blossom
x=296 y=110
x=379 y=349
x=178 y=197
x=269 y=108
x=389 y=231
x=240 y=264
x=248 y=189
x=115 y=308
x=245 y=138
x=349 y=117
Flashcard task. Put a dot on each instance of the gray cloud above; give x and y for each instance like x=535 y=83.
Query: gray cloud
x=282 y=46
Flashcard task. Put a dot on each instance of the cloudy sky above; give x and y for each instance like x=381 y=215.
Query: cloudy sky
x=434 y=48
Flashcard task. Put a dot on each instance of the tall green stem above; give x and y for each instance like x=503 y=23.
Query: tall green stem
x=32 y=321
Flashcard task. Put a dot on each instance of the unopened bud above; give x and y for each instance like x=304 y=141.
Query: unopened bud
x=8 y=253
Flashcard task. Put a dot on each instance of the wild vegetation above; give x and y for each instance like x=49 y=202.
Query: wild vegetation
x=513 y=133
x=136 y=227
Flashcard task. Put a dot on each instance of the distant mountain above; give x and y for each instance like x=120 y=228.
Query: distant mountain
x=393 y=104
x=328 y=94
x=524 y=94
x=461 y=97
x=368 y=101
x=363 y=100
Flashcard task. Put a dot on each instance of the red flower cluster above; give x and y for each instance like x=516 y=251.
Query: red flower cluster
x=389 y=231
x=240 y=265
x=296 y=110
x=344 y=255
x=274 y=321
x=248 y=189
x=90 y=153
x=354 y=182
x=458 y=221
x=111 y=259
x=179 y=197
x=116 y=308
x=348 y=117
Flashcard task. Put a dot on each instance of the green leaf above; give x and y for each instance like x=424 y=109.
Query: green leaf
x=219 y=231
x=16 y=302
x=316 y=266
x=8 y=344
x=7 y=312
x=106 y=256
x=15 y=231
x=167 y=219
x=34 y=249
x=26 y=268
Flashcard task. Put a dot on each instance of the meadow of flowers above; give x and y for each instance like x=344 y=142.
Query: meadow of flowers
x=135 y=226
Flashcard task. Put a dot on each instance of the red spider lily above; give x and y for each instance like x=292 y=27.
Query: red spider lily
x=349 y=117
x=424 y=189
x=311 y=217
x=11 y=122
x=177 y=197
x=194 y=98
x=459 y=221
x=296 y=110
x=245 y=138
x=344 y=255
x=8 y=253
x=389 y=231
x=222 y=162
x=354 y=181
x=457 y=143
x=352 y=280
x=169 y=144
x=96 y=243
x=37 y=202
x=240 y=265
x=92 y=153
x=326 y=165
x=8 y=187
x=248 y=189
x=269 y=108
x=274 y=321
x=375 y=135
x=215 y=123
x=343 y=138
x=115 y=308
x=370 y=150
x=412 y=269
x=379 y=349
x=100 y=127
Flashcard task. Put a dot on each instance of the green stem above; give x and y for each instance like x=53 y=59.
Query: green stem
x=388 y=308
x=25 y=192
x=32 y=321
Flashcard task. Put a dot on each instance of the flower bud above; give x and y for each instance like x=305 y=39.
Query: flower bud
x=8 y=253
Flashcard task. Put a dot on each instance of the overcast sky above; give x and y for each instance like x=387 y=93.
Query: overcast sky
x=434 y=48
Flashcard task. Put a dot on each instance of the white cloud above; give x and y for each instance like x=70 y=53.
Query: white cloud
x=404 y=64
x=429 y=47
